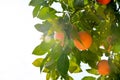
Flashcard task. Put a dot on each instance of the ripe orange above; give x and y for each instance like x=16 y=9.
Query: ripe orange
x=103 y=67
x=84 y=42
x=60 y=37
x=104 y=2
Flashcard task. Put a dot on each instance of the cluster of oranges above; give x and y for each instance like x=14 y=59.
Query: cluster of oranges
x=84 y=42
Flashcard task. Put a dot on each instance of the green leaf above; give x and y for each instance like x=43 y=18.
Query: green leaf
x=70 y=3
x=88 y=78
x=92 y=71
x=35 y=11
x=47 y=13
x=78 y=3
x=69 y=78
x=36 y=2
x=44 y=27
x=37 y=62
x=100 y=12
x=54 y=75
x=45 y=70
x=43 y=48
x=74 y=68
x=43 y=63
x=102 y=78
x=48 y=76
x=63 y=65
x=50 y=65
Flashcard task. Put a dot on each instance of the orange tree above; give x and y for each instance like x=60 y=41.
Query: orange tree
x=100 y=19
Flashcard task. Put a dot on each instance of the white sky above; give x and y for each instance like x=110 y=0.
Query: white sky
x=18 y=38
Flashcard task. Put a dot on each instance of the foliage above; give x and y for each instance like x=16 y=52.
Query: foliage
x=101 y=21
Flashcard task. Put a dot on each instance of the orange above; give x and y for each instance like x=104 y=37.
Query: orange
x=104 y=2
x=84 y=41
x=60 y=37
x=103 y=67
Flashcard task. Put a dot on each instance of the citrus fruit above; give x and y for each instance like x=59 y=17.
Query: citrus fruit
x=84 y=41
x=104 y=2
x=60 y=37
x=103 y=67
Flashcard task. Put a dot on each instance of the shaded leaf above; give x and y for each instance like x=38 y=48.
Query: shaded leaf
x=36 y=2
x=63 y=65
x=78 y=3
x=43 y=63
x=50 y=65
x=44 y=27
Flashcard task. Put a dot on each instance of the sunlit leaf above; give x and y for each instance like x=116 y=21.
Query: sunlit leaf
x=43 y=48
x=37 y=62
x=88 y=78
x=69 y=78
x=36 y=11
x=48 y=76
x=46 y=70
x=74 y=68
x=54 y=75
x=70 y=3
x=46 y=13
x=92 y=71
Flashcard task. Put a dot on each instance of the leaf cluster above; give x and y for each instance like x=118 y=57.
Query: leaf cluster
x=101 y=21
